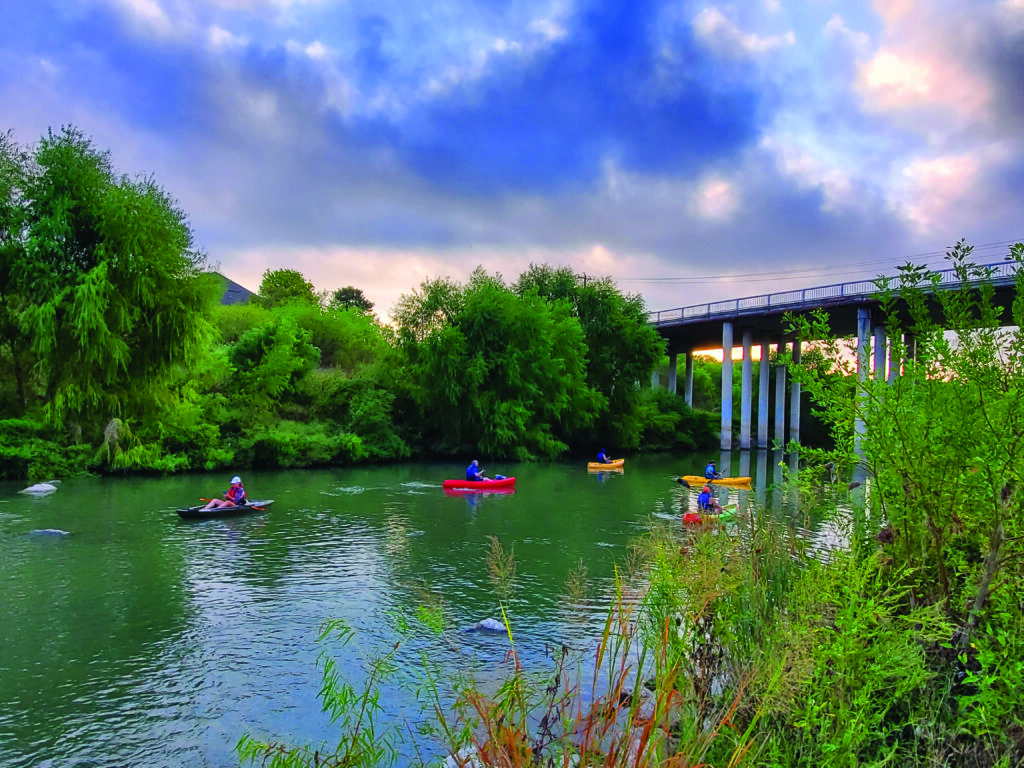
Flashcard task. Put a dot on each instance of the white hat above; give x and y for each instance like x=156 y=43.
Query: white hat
x=236 y=479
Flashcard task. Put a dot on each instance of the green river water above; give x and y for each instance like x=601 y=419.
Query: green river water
x=141 y=639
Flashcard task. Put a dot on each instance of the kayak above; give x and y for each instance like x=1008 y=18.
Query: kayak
x=695 y=518
x=617 y=464
x=697 y=480
x=480 y=485
x=198 y=513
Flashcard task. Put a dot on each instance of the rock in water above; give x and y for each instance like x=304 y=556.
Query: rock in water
x=490 y=625
x=39 y=489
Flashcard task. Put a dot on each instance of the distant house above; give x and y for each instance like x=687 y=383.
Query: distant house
x=233 y=292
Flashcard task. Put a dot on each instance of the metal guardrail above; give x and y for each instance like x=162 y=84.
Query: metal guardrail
x=1001 y=272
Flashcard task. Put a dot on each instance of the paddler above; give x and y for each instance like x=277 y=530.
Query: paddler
x=710 y=472
x=706 y=502
x=233 y=496
x=473 y=471
x=602 y=457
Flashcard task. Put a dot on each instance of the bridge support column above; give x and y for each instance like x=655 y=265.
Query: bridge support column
x=726 y=386
x=688 y=379
x=794 y=398
x=894 y=364
x=881 y=344
x=746 y=394
x=672 y=357
x=780 y=398
x=763 y=373
x=863 y=342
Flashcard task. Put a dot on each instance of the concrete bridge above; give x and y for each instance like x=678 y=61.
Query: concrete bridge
x=853 y=310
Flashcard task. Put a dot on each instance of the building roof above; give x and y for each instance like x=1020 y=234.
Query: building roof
x=234 y=293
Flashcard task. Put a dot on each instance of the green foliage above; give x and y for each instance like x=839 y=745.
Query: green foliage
x=501 y=373
x=269 y=361
x=622 y=348
x=31 y=450
x=670 y=424
x=282 y=286
x=103 y=294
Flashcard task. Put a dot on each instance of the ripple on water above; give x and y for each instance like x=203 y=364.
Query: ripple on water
x=347 y=490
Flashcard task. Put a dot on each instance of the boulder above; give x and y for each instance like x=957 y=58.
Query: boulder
x=39 y=489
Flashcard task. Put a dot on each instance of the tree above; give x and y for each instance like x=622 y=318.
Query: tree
x=622 y=348
x=494 y=371
x=103 y=275
x=351 y=297
x=15 y=172
x=281 y=286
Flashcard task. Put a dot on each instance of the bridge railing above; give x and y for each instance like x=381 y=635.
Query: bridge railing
x=805 y=298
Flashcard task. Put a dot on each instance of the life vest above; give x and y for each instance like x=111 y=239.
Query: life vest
x=236 y=494
x=692 y=518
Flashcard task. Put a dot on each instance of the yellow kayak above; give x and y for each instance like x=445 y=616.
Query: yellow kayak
x=701 y=481
x=617 y=464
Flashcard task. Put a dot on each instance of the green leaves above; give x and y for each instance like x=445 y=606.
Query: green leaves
x=102 y=294
x=503 y=373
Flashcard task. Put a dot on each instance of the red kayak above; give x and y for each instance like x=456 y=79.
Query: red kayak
x=480 y=485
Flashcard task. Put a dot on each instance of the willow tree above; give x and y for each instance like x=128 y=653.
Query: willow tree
x=622 y=348
x=493 y=371
x=14 y=341
x=106 y=279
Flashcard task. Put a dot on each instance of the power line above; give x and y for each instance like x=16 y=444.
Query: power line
x=775 y=275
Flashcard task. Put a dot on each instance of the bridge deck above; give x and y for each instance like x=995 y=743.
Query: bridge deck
x=699 y=325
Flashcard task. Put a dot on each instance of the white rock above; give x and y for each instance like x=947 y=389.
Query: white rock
x=39 y=489
x=491 y=625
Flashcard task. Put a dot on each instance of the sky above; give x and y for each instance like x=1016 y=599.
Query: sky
x=692 y=151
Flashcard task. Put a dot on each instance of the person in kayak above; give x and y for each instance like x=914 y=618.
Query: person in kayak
x=706 y=502
x=473 y=471
x=602 y=457
x=710 y=473
x=233 y=496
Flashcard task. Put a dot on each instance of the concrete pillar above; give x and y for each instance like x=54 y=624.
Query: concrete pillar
x=761 y=480
x=794 y=398
x=780 y=398
x=688 y=379
x=762 y=396
x=672 y=356
x=880 y=349
x=894 y=365
x=863 y=342
x=746 y=390
x=655 y=383
x=726 y=442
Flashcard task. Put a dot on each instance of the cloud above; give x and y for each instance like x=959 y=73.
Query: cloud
x=723 y=36
x=379 y=143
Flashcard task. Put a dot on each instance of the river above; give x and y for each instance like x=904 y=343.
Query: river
x=141 y=639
